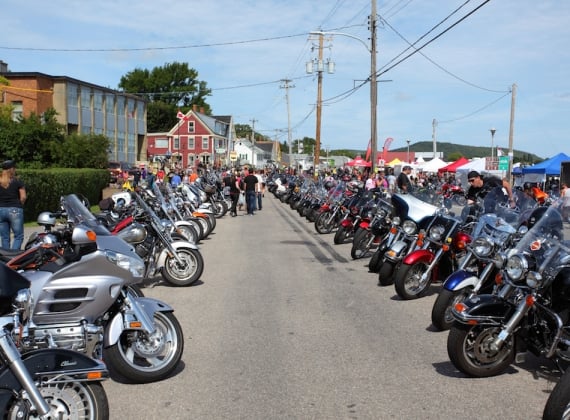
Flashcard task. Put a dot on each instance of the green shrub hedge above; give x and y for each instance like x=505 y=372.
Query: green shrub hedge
x=46 y=186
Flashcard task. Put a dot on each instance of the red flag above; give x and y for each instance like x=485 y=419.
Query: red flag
x=180 y=115
x=368 y=151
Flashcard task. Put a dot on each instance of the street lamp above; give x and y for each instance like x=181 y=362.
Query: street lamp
x=408 y=141
x=492 y=130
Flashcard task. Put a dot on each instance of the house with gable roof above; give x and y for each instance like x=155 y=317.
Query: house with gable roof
x=196 y=139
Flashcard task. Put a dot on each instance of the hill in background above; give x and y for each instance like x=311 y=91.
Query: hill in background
x=452 y=151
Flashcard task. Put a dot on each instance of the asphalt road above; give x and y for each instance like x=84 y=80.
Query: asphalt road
x=285 y=325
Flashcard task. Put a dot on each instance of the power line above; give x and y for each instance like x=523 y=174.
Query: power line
x=477 y=110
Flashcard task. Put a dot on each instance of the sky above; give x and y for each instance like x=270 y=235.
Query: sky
x=462 y=80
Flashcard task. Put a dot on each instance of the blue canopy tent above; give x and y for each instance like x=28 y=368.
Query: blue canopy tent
x=550 y=167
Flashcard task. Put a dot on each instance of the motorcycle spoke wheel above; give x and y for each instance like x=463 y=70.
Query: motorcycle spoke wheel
x=409 y=281
x=441 y=316
x=185 y=273
x=469 y=349
x=360 y=246
x=143 y=358
x=68 y=399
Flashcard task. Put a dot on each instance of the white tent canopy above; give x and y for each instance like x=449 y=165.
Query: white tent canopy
x=477 y=164
x=433 y=165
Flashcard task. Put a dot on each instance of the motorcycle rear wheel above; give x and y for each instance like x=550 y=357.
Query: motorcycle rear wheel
x=141 y=358
x=468 y=349
x=441 y=316
x=322 y=224
x=67 y=398
x=187 y=273
x=408 y=281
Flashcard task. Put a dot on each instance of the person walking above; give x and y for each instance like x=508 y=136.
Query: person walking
x=259 y=188
x=233 y=183
x=12 y=199
x=565 y=194
x=250 y=185
x=403 y=181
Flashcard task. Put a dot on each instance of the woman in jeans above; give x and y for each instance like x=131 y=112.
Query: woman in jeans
x=12 y=199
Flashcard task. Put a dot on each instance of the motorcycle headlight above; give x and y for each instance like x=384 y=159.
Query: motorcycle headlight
x=482 y=247
x=381 y=213
x=533 y=279
x=516 y=266
x=133 y=264
x=436 y=233
x=409 y=227
x=499 y=259
x=396 y=221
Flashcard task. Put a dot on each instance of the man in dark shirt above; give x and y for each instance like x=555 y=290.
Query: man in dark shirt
x=479 y=187
x=403 y=181
x=249 y=182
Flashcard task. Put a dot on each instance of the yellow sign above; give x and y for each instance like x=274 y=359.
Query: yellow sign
x=233 y=156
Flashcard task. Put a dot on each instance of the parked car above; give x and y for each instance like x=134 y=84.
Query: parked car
x=116 y=169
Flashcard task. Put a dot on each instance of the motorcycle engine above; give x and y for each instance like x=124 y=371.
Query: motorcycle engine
x=143 y=248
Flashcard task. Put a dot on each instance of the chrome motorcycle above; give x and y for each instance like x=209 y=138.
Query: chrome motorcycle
x=83 y=301
x=530 y=312
x=48 y=383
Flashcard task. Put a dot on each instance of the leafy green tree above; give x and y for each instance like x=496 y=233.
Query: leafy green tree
x=168 y=88
x=31 y=140
x=83 y=151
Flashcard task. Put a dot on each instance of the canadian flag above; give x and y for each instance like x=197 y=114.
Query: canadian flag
x=180 y=115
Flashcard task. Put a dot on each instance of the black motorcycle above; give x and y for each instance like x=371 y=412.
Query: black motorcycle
x=530 y=312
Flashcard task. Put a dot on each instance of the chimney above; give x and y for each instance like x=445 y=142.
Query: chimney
x=194 y=107
x=201 y=110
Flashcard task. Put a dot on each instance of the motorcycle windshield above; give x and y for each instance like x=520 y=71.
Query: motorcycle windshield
x=77 y=213
x=543 y=247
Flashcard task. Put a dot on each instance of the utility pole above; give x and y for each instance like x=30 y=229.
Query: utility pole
x=373 y=88
x=289 y=141
x=433 y=137
x=512 y=130
x=253 y=121
x=320 y=69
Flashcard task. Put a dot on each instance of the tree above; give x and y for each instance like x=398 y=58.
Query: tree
x=83 y=151
x=168 y=88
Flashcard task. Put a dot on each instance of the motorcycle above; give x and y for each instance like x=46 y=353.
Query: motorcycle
x=410 y=216
x=445 y=242
x=83 y=301
x=178 y=260
x=530 y=312
x=493 y=232
x=47 y=383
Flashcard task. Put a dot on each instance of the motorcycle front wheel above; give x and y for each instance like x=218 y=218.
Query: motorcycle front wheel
x=386 y=273
x=360 y=245
x=142 y=358
x=68 y=399
x=558 y=404
x=186 y=273
x=342 y=235
x=322 y=223
x=469 y=349
x=441 y=316
x=408 y=281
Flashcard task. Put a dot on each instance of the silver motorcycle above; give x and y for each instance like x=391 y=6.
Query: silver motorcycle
x=83 y=301
x=48 y=383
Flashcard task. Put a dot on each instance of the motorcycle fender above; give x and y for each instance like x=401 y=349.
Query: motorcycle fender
x=347 y=224
x=53 y=361
x=115 y=328
x=396 y=251
x=459 y=280
x=419 y=256
x=485 y=309
x=176 y=245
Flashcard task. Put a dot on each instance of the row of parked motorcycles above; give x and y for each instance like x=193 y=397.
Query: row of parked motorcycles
x=501 y=266
x=73 y=298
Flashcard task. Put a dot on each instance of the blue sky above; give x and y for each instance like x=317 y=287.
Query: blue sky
x=242 y=49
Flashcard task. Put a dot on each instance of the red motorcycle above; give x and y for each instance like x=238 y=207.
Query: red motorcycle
x=453 y=194
x=444 y=244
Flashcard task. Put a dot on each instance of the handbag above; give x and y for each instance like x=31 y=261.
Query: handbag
x=241 y=200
